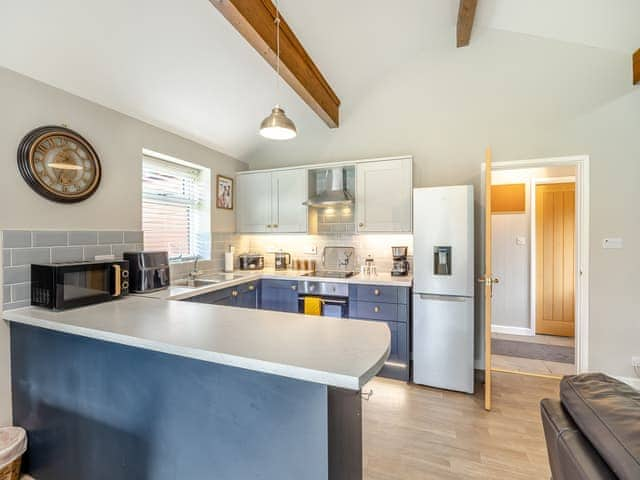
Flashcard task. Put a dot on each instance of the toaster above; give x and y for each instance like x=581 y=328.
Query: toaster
x=149 y=271
x=251 y=261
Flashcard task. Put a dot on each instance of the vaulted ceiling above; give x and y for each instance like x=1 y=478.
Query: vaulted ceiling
x=181 y=66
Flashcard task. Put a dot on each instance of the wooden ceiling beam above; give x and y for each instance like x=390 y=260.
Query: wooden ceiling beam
x=466 y=14
x=255 y=21
x=636 y=67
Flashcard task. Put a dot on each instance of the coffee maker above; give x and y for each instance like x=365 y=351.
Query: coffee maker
x=400 y=263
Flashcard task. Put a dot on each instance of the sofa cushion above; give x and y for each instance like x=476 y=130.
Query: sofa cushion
x=607 y=412
x=571 y=456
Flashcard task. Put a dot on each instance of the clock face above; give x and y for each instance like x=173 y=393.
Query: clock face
x=59 y=164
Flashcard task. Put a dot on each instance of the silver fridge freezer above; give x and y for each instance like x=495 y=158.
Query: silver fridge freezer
x=443 y=304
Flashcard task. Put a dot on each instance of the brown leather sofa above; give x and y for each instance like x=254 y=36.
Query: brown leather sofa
x=593 y=432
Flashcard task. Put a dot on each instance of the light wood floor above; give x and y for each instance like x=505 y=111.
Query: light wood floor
x=413 y=432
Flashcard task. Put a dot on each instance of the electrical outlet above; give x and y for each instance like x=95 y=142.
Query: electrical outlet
x=635 y=361
x=311 y=249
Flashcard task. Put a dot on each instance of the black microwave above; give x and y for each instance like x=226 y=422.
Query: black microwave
x=60 y=286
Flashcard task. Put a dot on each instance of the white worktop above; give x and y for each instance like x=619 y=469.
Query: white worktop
x=181 y=292
x=324 y=350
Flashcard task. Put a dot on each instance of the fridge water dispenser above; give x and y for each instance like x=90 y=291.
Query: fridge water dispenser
x=442 y=260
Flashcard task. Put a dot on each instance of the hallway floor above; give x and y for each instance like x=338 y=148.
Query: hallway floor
x=533 y=365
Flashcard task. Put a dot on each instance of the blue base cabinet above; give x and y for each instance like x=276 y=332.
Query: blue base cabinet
x=279 y=295
x=392 y=306
x=245 y=295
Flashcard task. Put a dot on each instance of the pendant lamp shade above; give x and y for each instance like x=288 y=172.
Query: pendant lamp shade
x=278 y=126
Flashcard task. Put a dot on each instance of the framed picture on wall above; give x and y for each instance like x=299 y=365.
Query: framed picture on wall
x=224 y=192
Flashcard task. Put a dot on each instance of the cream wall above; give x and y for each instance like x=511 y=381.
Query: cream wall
x=528 y=98
x=118 y=139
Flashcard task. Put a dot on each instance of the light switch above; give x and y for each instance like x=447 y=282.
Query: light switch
x=521 y=240
x=612 y=243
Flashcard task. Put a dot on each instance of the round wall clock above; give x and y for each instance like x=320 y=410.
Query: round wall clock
x=59 y=164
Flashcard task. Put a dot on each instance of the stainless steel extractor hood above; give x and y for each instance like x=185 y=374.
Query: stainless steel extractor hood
x=335 y=191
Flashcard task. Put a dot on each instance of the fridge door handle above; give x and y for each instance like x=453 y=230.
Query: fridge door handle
x=446 y=298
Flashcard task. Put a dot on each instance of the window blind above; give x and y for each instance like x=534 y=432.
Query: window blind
x=173 y=204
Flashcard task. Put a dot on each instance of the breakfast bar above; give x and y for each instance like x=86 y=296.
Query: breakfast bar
x=148 y=389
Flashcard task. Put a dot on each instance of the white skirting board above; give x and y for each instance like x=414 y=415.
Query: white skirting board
x=511 y=330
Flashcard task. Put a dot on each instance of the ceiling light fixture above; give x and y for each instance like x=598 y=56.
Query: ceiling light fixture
x=277 y=126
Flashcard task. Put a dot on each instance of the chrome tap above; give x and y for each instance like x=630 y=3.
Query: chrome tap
x=193 y=274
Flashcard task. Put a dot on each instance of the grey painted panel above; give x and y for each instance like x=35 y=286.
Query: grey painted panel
x=25 y=256
x=133 y=413
x=19 y=274
x=50 y=239
x=20 y=292
x=16 y=238
x=6 y=294
x=110 y=237
x=6 y=257
x=83 y=238
x=66 y=254
x=133 y=237
x=91 y=251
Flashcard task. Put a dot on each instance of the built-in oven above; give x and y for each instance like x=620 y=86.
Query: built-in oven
x=69 y=285
x=332 y=297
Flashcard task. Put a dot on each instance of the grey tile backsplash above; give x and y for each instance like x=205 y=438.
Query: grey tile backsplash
x=21 y=248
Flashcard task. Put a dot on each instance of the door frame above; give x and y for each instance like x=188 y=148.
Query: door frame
x=533 y=245
x=581 y=163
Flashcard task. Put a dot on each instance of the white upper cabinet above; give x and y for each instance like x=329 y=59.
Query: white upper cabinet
x=383 y=196
x=254 y=202
x=288 y=192
x=272 y=202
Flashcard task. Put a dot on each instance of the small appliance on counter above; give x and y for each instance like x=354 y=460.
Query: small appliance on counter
x=149 y=271
x=251 y=261
x=400 y=266
x=61 y=286
x=282 y=260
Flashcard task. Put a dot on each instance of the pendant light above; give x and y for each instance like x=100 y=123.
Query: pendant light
x=278 y=126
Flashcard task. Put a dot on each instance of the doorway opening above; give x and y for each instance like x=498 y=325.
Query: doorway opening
x=539 y=220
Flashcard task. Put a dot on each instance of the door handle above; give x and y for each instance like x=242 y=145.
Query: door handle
x=117 y=290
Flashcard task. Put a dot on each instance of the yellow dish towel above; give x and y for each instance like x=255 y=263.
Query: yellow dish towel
x=312 y=306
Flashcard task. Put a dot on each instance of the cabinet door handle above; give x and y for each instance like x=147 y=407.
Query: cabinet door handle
x=251 y=288
x=367 y=395
x=294 y=287
x=234 y=293
x=376 y=292
x=275 y=226
x=376 y=309
x=361 y=224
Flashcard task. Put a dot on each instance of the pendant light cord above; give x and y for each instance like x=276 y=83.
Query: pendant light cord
x=277 y=23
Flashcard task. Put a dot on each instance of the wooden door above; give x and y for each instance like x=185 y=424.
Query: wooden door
x=383 y=196
x=555 y=259
x=289 y=192
x=254 y=203
x=487 y=279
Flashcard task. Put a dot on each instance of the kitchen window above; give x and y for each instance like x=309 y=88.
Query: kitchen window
x=176 y=207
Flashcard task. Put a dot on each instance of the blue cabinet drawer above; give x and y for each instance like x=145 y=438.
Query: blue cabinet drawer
x=391 y=312
x=378 y=293
x=219 y=297
x=373 y=311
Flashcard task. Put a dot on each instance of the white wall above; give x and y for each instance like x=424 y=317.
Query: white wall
x=528 y=98
x=511 y=261
x=118 y=139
